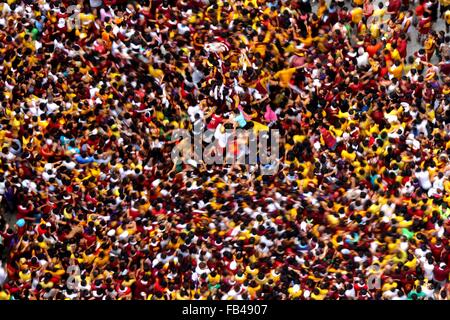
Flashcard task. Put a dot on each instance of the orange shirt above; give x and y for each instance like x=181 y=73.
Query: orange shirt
x=373 y=49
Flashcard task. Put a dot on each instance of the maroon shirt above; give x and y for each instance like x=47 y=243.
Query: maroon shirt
x=441 y=274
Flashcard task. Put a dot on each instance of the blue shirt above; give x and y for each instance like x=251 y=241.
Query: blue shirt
x=82 y=160
x=73 y=150
x=240 y=120
x=39 y=26
x=65 y=140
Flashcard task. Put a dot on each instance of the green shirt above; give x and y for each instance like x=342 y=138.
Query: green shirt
x=419 y=294
x=34 y=33
x=408 y=234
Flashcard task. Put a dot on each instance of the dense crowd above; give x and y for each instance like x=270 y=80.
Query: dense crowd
x=94 y=208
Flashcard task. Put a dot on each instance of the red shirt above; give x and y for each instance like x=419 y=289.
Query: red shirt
x=23 y=211
x=377 y=116
x=394 y=5
x=420 y=9
x=441 y=274
x=383 y=72
x=328 y=138
x=437 y=250
x=90 y=238
x=402 y=46
x=356 y=86
x=215 y=120
x=134 y=213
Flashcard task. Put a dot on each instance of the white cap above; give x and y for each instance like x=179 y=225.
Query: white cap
x=111 y=233
x=156 y=183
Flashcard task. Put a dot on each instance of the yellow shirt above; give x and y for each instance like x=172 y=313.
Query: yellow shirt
x=349 y=156
x=319 y=296
x=396 y=71
x=86 y=19
x=102 y=261
x=379 y=13
x=285 y=76
x=25 y=276
x=375 y=30
x=295 y=293
x=4 y=295
x=155 y=73
x=395 y=55
x=357 y=14
x=88 y=259
x=214 y=280
x=429 y=44
x=253 y=2
x=253 y=272
x=257 y=127
x=252 y=291
x=447 y=16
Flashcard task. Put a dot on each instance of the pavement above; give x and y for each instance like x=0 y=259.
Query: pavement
x=9 y=217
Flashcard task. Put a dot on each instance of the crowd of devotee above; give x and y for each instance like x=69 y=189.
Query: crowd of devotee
x=95 y=207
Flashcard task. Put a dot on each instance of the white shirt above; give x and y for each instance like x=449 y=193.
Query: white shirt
x=422 y=127
x=3 y=275
x=69 y=165
x=428 y=269
x=182 y=29
x=404 y=297
x=95 y=3
x=428 y=292
x=222 y=137
x=363 y=60
x=350 y=293
x=439 y=183
x=193 y=110
x=424 y=179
